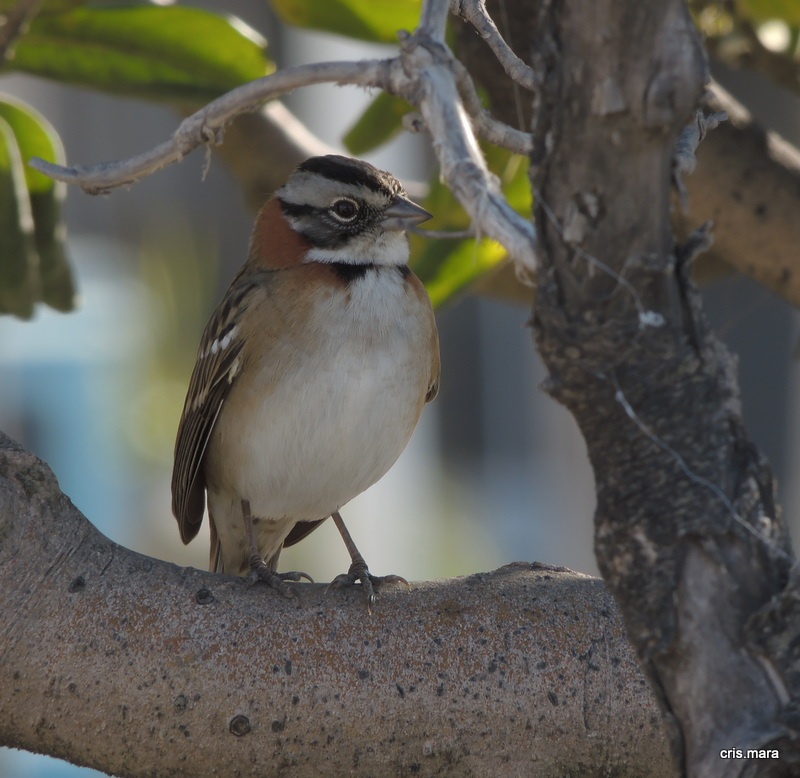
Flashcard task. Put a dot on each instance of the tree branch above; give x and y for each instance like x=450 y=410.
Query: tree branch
x=15 y=22
x=684 y=160
x=748 y=182
x=474 y=12
x=425 y=74
x=523 y=669
x=208 y=124
x=487 y=127
x=460 y=160
x=262 y=148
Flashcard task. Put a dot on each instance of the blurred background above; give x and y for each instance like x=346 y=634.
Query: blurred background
x=496 y=471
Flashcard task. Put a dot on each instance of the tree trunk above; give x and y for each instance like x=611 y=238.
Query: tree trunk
x=687 y=533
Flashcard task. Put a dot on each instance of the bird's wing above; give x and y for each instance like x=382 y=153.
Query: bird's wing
x=301 y=530
x=218 y=363
x=435 y=370
x=425 y=310
x=433 y=386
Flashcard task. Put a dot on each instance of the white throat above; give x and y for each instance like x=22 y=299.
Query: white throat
x=390 y=248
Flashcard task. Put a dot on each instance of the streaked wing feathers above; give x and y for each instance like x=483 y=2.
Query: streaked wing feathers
x=436 y=364
x=218 y=364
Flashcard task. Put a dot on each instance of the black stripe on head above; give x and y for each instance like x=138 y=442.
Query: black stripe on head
x=297 y=210
x=352 y=171
x=312 y=224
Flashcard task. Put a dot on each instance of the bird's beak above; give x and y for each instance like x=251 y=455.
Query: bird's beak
x=402 y=214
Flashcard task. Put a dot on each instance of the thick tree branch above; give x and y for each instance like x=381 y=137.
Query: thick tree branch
x=137 y=667
x=748 y=183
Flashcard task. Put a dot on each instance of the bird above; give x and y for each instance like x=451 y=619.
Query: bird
x=311 y=374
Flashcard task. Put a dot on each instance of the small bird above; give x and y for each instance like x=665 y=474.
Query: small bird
x=311 y=374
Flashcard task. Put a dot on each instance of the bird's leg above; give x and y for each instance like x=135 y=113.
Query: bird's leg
x=259 y=569
x=358 y=569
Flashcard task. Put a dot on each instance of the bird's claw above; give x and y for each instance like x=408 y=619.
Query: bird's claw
x=358 y=573
x=260 y=572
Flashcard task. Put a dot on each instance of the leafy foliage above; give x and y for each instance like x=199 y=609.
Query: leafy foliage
x=370 y=20
x=381 y=122
x=730 y=28
x=162 y=53
x=761 y=10
x=448 y=268
x=33 y=259
x=167 y=53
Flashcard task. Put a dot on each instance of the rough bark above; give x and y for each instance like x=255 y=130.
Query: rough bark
x=687 y=533
x=137 y=667
x=747 y=179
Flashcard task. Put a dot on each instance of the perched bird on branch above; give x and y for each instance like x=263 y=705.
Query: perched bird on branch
x=311 y=374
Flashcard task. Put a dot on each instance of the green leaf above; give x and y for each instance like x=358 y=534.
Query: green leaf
x=169 y=53
x=381 y=121
x=468 y=262
x=47 y=7
x=55 y=275
x=450 y=267
x=35 y=136
x=18 y=260
x=371 y=20
x=763 y=10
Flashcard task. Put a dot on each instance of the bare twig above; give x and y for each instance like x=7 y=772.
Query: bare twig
x=425 y=74
x=263 y=147
x=474 y=12
x=691 y=137
x=485 y=125
x=207 y=125
x=444 y=234
x=14 y=24
x=684 y=161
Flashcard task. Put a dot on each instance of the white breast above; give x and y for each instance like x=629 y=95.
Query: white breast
x=352 y=391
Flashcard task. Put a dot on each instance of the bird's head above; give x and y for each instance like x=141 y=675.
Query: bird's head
x=349 y=211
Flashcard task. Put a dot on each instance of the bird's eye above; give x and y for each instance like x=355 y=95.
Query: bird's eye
x=345 y=210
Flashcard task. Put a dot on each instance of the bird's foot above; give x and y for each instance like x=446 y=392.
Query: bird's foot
x=260 y=572
x=359 y=572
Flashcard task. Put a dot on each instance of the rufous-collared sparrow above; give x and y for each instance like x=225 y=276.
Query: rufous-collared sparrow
x=311 y=374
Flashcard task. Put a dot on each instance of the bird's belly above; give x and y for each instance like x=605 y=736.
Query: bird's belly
x=318 y=438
